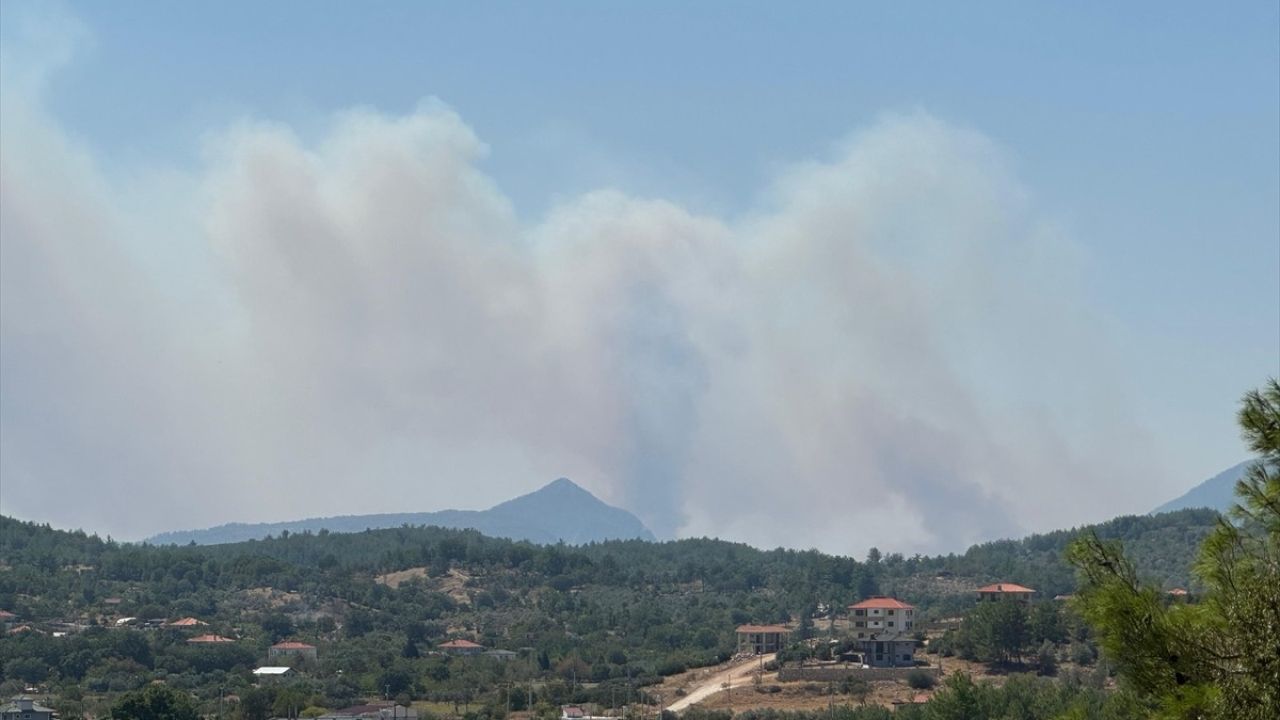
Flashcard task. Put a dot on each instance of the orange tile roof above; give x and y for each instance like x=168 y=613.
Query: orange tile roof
x=1177 y=591
x=460 y=644
x=187 y=622
x=292 y=645
x=881 y=602
x=762 y=629
x=210 y=639
x=1005 y=588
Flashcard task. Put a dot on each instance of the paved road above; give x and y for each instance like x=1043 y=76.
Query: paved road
x=737 y=675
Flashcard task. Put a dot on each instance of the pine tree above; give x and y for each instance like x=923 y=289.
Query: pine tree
x=1219 y=658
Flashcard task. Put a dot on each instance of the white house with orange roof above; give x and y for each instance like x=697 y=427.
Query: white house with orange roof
x=292 y=648
x=882 y=627
x=879 y=613
x=1004 y=591
x=462 y=646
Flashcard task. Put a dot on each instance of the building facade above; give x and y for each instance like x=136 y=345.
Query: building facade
x=292 y=649
x=879 y=614
x=761 y=639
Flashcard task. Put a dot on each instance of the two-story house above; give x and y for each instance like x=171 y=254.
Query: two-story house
x=878 y=614
x=882 y=628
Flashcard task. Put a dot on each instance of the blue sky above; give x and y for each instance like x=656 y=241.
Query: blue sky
x=1146 y=136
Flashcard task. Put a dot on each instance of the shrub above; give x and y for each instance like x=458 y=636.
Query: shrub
x=920 y=680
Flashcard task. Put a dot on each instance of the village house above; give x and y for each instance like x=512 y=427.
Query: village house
x=24 y=708
x=1004 y=591
x=578 y=712
x=208 y=639
x=187 y=622
x=882 y=631
x=374 y=711
x=878 y=614
x=462 y=647
x=291 y=648
x=761 y=639
x=886 y=648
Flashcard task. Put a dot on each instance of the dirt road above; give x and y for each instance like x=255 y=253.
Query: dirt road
x=737 y=675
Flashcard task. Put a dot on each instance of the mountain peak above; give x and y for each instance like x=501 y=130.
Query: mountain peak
x=562 y=485
x=1218 y=492
x=560 y=511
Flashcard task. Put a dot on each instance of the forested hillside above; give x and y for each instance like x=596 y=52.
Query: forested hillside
x=377 y=603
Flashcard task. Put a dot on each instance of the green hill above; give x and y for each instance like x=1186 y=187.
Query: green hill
x=376 y=603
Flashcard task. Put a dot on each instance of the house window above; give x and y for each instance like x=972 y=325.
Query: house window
x=860 y=613
x=890 y=623
x=891 y=612
x=860 y=623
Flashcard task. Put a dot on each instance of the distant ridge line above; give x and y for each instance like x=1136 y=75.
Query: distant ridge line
x=560 y=511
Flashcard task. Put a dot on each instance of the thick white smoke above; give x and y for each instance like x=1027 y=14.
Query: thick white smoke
x=888 y=350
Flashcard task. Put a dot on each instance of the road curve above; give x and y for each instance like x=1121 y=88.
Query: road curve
x=736 y=675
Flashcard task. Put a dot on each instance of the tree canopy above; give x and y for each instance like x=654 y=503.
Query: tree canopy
x=1219 y=657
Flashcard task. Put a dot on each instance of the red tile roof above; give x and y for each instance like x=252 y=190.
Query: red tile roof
x=881 y=602
x=292 y=645
x=1177 y=591
x=187 y=622
x=762 y=629
x=210 y=639
x=1005 y=588
x=460 y=644
x=6 y=615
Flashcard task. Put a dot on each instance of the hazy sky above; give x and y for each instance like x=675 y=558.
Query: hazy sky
x=816 y=275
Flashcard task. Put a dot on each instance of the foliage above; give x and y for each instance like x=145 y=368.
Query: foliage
x=156 y=702
x=1220 y=657
x=920 y=680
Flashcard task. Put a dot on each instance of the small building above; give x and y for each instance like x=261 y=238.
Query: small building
x=373 y=711
x=1004 y=591
x=291 y=648
x=881 y=614
x=209 y=639
x=272 y=672
x=1179 y=594
x=186 y=622
x=887 y=649
x=761 y=639
x=578 y=712
x=24 y=708
x=503 y=655
x=462 y=647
